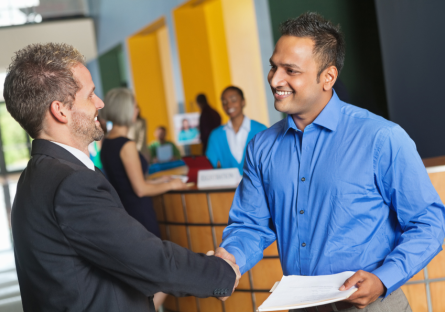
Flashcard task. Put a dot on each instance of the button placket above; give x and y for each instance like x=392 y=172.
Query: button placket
x=303 y=199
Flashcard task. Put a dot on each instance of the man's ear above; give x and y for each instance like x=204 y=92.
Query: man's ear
x=59 y=111
x=328 y=77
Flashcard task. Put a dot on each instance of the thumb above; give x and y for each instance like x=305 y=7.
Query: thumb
x=353 y=280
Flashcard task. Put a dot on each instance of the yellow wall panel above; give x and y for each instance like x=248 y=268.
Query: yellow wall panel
x=202 y=53
x=245 y=56
x=148 y=82
x=218 y=52
x=167 y=75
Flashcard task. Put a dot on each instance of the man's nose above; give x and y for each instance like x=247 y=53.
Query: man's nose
x=276 y=78
x=99 y=103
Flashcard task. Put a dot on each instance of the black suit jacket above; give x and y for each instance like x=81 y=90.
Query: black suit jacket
x=77 y=249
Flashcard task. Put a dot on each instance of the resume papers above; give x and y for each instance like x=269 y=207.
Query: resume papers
x=297 y=292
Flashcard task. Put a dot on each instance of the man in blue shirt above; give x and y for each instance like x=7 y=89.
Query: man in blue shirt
x=338 y=187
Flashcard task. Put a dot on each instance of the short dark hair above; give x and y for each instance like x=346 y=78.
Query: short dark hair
x=240 y=92
x=162 y=128
x=329 y=42
x=38 y=75
x=202 y=99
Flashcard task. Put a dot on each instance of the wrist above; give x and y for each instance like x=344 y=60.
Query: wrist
x=170 y=185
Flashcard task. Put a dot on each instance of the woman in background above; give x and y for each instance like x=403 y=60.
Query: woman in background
x=137 y=132
x=126 y=167
x=227 y=143
x=187 y=133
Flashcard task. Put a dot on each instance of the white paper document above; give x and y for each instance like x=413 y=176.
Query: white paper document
x=297 y=292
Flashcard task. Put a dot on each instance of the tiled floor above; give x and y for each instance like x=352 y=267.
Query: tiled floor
x=9 y=288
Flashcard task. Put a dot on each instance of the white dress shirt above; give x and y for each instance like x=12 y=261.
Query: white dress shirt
x=79 y=155
x=237 y=141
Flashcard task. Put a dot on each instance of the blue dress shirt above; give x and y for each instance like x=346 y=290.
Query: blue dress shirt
x=349 y=193
x=218 y=147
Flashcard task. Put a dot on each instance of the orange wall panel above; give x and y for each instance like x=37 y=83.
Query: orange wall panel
x=148 y=81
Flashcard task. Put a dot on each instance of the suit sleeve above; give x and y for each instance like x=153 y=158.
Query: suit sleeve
x=106 y=236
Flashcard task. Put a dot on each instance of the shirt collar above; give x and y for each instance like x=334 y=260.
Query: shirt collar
x=79 y=155
x=328 y=118
x=245 y=125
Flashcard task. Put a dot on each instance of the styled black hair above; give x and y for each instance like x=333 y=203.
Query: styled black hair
x=202 y=99
x=240 y=92
x=329 y=45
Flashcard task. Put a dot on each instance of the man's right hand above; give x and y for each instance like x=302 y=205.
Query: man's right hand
x=224 y=254
x=231 y=261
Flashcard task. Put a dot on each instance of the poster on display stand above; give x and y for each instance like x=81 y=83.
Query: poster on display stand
x=187 y=129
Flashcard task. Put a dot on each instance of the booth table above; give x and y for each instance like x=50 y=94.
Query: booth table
x=195 y=219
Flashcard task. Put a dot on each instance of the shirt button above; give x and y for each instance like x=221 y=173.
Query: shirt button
x=303 y=245
x=303 y=179
x=301 y=211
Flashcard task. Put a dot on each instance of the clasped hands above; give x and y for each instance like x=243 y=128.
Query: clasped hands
x=369 y=285
x=230 y=259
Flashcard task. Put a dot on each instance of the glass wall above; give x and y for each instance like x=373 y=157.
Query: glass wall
x=15 y=146
x=18 y=12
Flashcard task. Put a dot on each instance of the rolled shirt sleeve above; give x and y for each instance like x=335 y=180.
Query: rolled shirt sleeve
x=249 y=231
x=406 y=188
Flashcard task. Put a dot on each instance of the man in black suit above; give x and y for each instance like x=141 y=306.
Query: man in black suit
x=76 y=248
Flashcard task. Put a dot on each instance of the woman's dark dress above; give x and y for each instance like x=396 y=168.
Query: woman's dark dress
x=140 y=208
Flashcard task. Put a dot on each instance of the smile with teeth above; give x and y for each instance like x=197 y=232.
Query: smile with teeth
x=231 y=110
x=95 y=118
x=283 y=92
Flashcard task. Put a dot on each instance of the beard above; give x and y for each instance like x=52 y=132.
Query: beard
x=84 y=127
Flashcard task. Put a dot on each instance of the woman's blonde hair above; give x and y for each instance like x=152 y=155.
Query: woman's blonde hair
x=119 y=107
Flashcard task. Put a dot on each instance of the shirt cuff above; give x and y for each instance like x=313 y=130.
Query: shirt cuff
x=391 y=276
x=237 y=253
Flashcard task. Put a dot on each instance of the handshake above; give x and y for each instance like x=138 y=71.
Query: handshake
x=230 y=259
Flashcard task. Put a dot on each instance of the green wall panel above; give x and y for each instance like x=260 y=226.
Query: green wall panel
x=112 y=70
x=363 y=70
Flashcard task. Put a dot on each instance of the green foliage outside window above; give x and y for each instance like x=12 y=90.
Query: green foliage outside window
x=15 y=141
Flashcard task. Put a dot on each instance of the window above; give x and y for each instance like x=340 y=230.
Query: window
x=17 y=12
x=15 y=146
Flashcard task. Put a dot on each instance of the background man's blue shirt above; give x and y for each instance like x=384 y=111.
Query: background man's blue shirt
x=350 y=193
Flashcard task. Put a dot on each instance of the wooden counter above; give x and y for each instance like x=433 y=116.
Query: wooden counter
x=195 y=219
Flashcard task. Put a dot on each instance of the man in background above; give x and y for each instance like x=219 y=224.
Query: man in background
x=160 y=134
x=76 y=248
x=209 y=120
x=338 y=187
